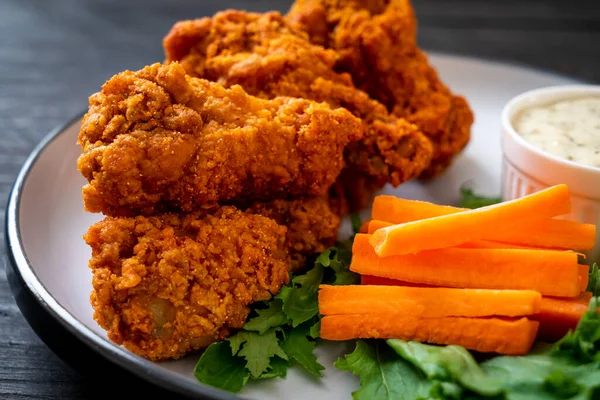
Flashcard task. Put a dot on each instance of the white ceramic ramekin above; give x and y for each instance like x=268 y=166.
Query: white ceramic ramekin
x=527 y=169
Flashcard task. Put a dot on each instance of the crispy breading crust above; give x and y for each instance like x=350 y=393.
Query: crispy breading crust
x=376 y=40
x=170 y=284
x=312 y=226
x=157 y=140
x=267 y=57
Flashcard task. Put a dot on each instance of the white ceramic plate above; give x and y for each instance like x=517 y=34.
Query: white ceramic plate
x=45 y=223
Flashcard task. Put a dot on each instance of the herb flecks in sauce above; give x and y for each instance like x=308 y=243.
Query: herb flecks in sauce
x=569 y=129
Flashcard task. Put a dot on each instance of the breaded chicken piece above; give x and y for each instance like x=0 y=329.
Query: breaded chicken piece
x=376 y=41
x=171 y=284
x=312 y=226
x=157 y=140
x=352 y=192
x=268 y=58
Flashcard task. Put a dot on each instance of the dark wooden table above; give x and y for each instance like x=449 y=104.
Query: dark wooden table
x=54 y=53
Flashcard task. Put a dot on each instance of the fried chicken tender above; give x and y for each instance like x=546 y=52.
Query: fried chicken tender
x=352 y=192
x=157 y=140
x=312 y=226
x=376 y=41
x=171 y=284
x=268 y=58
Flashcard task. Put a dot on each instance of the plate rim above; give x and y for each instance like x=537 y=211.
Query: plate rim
x=23 y=268
x=142 y=368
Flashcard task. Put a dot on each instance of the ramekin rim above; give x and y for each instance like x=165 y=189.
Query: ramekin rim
x=508 y=111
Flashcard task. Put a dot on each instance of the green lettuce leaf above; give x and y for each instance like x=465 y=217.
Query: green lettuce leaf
x=569 y=369
x=543 y=377
x=383 y=376
x=446 y=363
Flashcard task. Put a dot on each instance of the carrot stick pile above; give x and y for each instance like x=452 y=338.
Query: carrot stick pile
x=491 y=279
x=559 y=315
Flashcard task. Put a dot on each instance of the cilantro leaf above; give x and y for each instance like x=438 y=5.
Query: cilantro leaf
x=257 y=349
x=468 y=199
x=300 y=301
x=339 y=261
x=356 y=222
x=236 y=341
x=344 y=251
x=281 y=332
x=594 y=281
x=383 y=375
x=219 y=368
x=298 y=347
x=277 y=368
x=315 y=330
x=270 y=317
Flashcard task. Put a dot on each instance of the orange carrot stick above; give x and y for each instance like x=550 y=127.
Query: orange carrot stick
x=488 y=244
x=552 y=273
x=559 y=315
x=427 y=302
x=374 y=225
x=546 y=233
x=504 y=336
x=467 y=226
x=398 y=211
x=585 y=296
x=364 y=228
x=550 y=233
x=377 y=280
x=584 y=275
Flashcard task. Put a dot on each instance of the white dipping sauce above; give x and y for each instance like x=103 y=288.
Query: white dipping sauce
x=569 y=129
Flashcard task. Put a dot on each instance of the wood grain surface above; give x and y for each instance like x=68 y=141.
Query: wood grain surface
x=55 y=53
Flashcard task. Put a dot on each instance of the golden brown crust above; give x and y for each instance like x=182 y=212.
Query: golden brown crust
x=157 y=140
x=376 y=40
x=267 y=57
x=170 y=284
x=352 y=192
x=312 y=225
